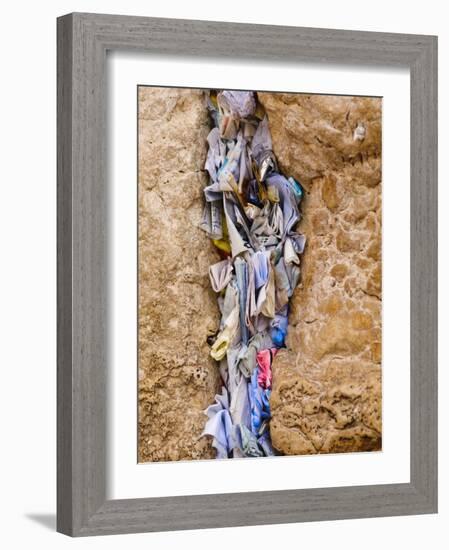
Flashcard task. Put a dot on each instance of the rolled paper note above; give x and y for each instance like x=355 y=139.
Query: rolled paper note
x=251 y=211
x=296 y=187
x=238 y=244
x=220 y=275
x=226 y=336
x=250 y=215
x=260 y=262
x=290 y=255
x=282 y=284
x=250 y=446
x=240 y=408
x=264 y=362
x=273 y=193
x=268 y=164
x=239 y=103
x=279 y=329
x=215 y=154
x=228 y=127
x=264 y=442
x=260 y=405
x=230 y=170
x=219 y=425
x=247 y=355
x=261 y=142
x=242 y=282
x=223 y=245
x=252 y=194
x=287 y=199
x=216 y=215
x=278 y=336
x=205 y=222
x=267 y=296
x=299 y=242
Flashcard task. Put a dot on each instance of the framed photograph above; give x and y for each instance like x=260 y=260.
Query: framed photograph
x=247 y=274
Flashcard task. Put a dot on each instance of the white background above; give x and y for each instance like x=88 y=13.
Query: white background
x=27 y=302
x=131 y=480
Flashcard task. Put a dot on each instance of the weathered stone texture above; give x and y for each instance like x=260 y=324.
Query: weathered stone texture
x=327 y=385
x=177 y=308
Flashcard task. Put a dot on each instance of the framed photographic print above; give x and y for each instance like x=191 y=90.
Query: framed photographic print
x=247 y=284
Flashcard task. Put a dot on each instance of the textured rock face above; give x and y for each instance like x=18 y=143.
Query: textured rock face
x=177 y=308
x=327 y=385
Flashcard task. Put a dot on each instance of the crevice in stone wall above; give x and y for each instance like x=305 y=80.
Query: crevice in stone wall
x=326 y=382
x=251 y=213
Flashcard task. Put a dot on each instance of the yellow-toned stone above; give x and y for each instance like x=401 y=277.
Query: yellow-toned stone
x=361 y=320
x=373 y=250
x=331 y=305
x=332 y=409
x=327 y=386
x=335 y=318
x=320 y=221
x=329 y=193
x=339 y=271
x=376 y=351
x=363 y=263
x=346 y=242
x=373 y=285
x=177 y=378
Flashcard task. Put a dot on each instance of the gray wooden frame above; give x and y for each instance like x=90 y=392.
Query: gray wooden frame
x=83 y=40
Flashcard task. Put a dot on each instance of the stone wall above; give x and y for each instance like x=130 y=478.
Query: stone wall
x=327 y=384
x=177 y=308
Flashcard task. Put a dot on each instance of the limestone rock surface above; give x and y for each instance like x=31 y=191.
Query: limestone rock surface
x=327 y=386
x=177 y=308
